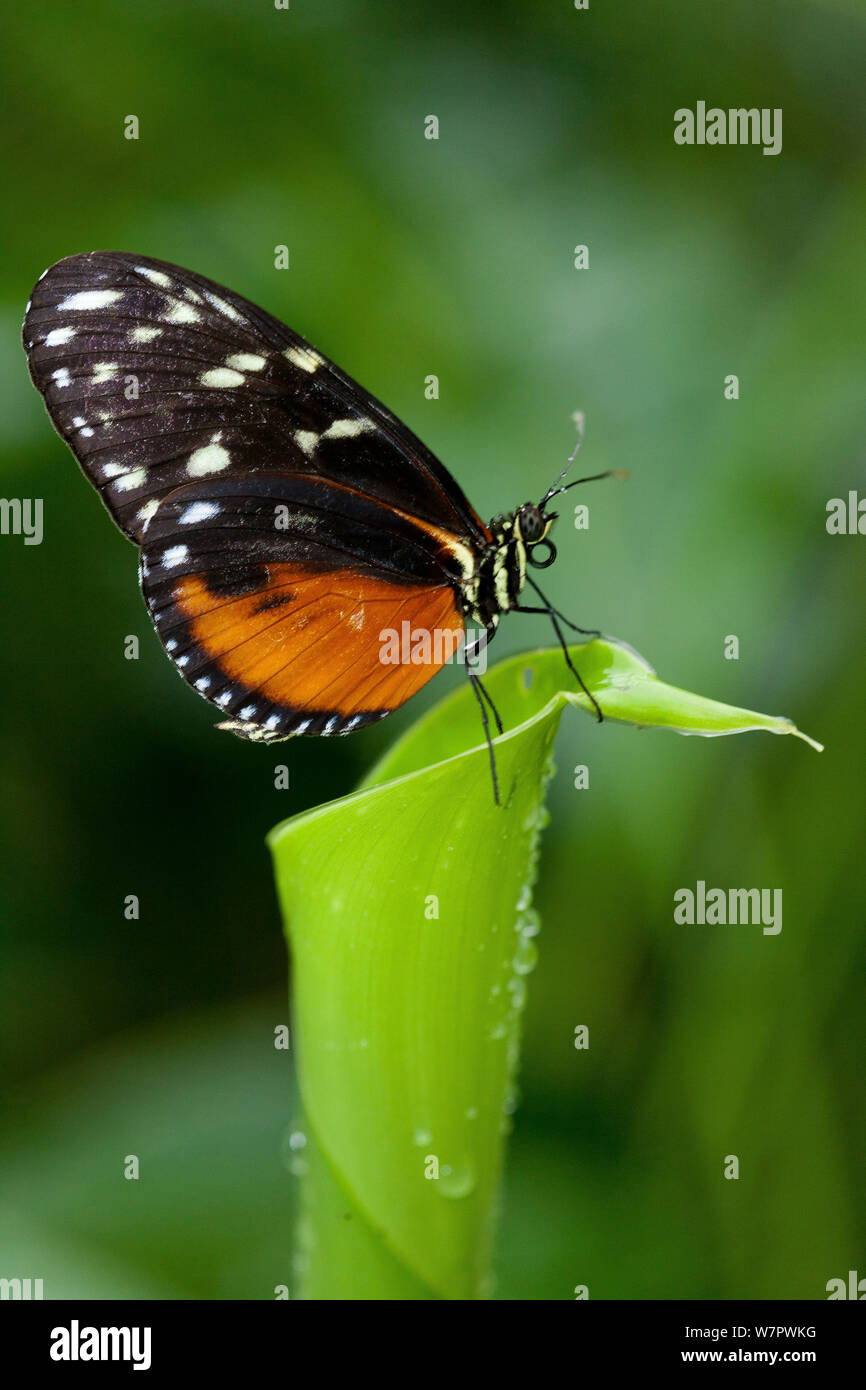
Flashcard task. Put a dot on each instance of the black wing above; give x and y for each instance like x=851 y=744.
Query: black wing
x=158 y=378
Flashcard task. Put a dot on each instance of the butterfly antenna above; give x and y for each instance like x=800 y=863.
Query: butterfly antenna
x=622 y=473
x=579 y=420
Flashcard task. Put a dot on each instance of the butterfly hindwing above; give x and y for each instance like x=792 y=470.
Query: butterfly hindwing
x=274 y=596
x=157 y=378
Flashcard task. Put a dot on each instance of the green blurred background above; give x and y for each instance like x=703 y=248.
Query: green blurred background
x=260 y=127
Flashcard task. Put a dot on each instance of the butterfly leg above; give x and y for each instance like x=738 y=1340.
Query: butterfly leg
x=550 y=610
x=554 y=615
x=554 y=612
x=481 y=695
x=493 y=708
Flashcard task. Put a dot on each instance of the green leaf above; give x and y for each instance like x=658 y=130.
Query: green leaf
x=408 y=915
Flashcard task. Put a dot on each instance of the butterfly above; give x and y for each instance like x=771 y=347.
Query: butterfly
x=284 y=517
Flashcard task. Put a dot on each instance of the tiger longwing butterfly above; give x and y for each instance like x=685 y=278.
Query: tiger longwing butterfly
x=284 y=517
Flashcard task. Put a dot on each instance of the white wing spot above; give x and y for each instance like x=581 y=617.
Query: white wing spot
x=156 y=277
x=78 y=421
x=198 y=511
x=61 y=377
x=304 y=724
x=183 y=660
x=222 y=376
x=146 y=512
x=211 y=459
x=103 y=371
x=306 y=440
x=175 y=555
x=59 y=335
x=203 y=682
x=225 y=308
x=171 y=644
x=223 y=699
x=112 y=470
x=247 y=712
x=144 y=335
x=305 y=358
x=85 y=432
x=356 y=620
x=273 y=721
x=133 y=479
x=347 y=429
x=182 y=313
x=91 y=299
x=246 y=361
x=352 y=724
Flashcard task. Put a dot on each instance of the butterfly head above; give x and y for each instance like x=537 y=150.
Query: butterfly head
x=532 y=524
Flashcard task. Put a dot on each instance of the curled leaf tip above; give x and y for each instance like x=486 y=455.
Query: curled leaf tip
x=812 y=742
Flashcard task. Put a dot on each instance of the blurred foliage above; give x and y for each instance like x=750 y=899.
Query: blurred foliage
x=305 y=127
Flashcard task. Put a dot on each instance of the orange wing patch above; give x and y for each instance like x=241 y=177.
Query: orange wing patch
x=318 y=640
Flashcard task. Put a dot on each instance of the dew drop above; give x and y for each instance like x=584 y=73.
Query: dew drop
x=292 y=1152
x=456 y=1181
x=529 y=924
x=526 y=956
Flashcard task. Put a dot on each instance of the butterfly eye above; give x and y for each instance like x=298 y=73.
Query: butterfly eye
x=532 y=524
x=542 y=562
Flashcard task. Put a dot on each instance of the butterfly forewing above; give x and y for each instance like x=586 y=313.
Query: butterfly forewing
x=157 y=377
